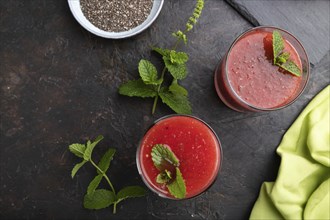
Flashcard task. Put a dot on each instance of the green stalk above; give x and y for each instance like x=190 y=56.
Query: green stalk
x=109 y=182
x=162 y=78
x=104 y=175
x=158 y=90
x=114 y=208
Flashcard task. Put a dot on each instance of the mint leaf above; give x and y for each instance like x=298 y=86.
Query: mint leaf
x=162 y=155
x=77 y=167
x=105 y=160
x=178 y=71
x=179 y=103
x=137 y=88
x=161 y=51
x=292 y=68
x=99 y=199
x=178 y=57
x=78 y=149
x=148 y=73
x=164 y=177
x=175 y=88
x=90 y=147
x=278 y=44
x=178 y=187
x=130 y=192
x=94 y=184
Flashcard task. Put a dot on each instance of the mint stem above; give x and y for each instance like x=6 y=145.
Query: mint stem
x=114 y=208
x=109 y=182
x=158 y=90
x=162 y=78
x=104 y=175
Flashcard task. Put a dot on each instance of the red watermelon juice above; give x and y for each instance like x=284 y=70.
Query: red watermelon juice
x=193 y=142
x=247 y=79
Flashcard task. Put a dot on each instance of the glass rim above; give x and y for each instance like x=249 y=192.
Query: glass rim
x=255 y=108
x=159 y=193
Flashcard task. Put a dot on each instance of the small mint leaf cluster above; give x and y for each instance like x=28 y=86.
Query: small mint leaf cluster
x=150 y=84
x=282 y=58
x=101 y=198
x=168 y=166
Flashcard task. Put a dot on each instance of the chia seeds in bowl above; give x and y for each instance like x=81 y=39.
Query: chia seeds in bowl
x=115 y=18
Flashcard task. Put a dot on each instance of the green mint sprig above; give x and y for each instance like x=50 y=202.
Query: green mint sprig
x=168 y=165
x=150 y=85
x=101 y=198
x=282 y=58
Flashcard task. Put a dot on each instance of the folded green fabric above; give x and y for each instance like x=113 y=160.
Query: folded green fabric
x=302 y=187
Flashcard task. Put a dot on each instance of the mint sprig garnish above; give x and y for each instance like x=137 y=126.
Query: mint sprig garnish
x=175 y=62
x=282 y=58
x=101 y=198
x=170 y=175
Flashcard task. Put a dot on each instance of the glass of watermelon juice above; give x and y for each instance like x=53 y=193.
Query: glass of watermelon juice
x=193 y=142
x=246 y=78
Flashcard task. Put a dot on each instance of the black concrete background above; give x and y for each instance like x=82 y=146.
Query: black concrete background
x=59 y=85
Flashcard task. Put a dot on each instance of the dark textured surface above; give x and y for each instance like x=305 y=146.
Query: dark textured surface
x=59 y=85
x=308 y=20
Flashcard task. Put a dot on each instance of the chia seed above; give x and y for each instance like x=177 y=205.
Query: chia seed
x=116 y=15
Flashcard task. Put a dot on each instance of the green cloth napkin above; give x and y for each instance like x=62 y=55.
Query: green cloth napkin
x=302 y=187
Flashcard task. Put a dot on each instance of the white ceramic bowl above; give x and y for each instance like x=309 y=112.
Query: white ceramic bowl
x=83 y=21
